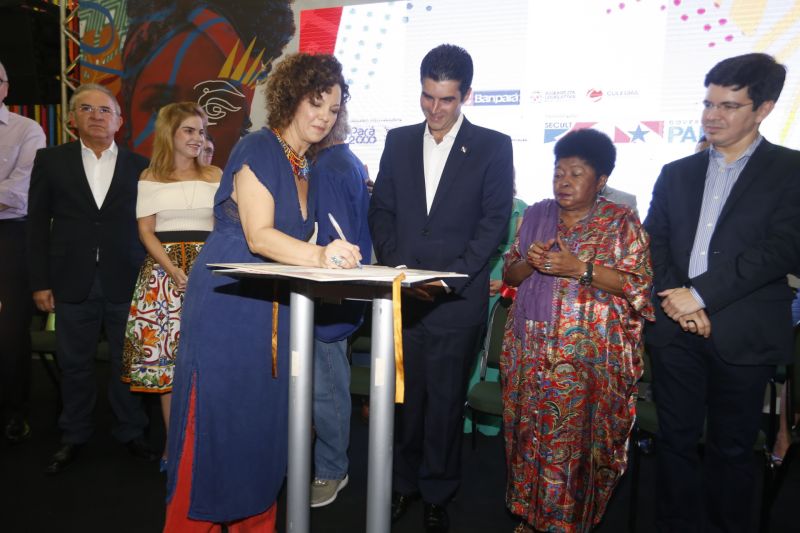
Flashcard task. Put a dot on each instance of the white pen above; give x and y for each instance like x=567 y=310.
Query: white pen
x=338 y=229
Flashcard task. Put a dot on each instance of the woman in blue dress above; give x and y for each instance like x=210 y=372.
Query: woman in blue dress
x=230 y=407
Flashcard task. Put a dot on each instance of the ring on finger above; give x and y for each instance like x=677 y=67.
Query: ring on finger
x=337 y=260
x=548 y=265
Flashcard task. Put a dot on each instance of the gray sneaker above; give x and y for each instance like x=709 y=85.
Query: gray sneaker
x=324 y=491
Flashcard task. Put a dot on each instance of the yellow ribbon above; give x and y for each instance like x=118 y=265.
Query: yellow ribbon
x=275 y=331
x=397 y=326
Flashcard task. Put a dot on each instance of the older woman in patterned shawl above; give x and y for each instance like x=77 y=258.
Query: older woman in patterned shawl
x=573 y=343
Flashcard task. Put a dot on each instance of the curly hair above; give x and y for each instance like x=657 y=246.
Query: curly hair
x=594 y=147
x=170 y=118
x=296 y=78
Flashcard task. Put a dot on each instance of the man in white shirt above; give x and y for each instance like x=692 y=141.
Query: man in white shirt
x=84 y=254
x=20 y=138
x=441 y=201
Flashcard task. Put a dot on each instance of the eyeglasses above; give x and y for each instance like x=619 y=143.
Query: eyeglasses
x=724 y=107
x=104 y=110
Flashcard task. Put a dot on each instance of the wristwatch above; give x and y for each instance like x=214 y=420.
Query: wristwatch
x=587 y=277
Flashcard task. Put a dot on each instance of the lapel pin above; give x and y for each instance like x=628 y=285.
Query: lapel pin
x=463 y=149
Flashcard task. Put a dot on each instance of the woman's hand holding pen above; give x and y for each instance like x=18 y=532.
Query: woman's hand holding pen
x=340 y=254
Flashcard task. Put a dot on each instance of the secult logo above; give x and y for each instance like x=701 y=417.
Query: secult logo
x=508 y=97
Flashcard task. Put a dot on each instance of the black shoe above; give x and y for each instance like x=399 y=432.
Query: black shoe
x=435 y=518
x=17 y=430
x=401 y=503
x=65 y=455
x=139 y=448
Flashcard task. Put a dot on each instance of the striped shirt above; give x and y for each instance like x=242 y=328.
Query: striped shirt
x=720 y=179
x=20 y=138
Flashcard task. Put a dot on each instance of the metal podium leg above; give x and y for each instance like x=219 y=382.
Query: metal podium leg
x=381 y=419
x=301 y=346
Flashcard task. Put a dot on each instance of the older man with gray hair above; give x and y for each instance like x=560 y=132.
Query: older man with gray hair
x=84 y=254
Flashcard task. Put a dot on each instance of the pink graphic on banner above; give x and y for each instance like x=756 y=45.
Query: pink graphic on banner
x=690 y=14
x=656 y=126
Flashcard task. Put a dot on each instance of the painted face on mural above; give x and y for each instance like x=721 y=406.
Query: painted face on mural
x=189 y=65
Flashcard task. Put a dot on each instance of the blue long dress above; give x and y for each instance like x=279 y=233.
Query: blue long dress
x=241 y=410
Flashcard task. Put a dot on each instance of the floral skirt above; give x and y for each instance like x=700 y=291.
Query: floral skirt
x=154 y=322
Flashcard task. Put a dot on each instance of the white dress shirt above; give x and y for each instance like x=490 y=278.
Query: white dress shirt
x=99 y=171
x=434 y=156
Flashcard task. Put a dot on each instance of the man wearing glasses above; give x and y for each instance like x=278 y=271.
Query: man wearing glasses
x=84 y=254
x=725 y=230
x=20 y=137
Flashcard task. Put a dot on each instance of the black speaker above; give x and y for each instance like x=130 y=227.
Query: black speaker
x=29 y=50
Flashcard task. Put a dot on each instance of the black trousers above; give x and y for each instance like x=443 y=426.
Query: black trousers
x=429 y=423
x=15 y=319
x=78 y=327
x=692 y=385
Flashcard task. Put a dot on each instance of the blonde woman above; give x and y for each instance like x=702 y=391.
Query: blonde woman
x=174 y=213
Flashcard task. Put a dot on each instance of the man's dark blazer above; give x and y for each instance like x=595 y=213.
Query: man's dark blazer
x=63 y=257
x=467 y=220
x=756 y=242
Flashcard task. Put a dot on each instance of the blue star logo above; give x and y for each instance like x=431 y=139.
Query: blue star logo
x=638 y=134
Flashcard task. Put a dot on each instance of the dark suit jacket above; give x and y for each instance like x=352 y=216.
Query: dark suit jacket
x=62 y=256
x=467 y=220
x=755 y=244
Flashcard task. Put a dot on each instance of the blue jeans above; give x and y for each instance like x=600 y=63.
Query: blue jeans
x=331 y=409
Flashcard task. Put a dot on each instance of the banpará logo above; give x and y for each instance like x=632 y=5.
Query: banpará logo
x=362 y=136
x=510 y=97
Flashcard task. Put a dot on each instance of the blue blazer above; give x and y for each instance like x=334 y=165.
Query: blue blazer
x=468 y=217
x=755 y=244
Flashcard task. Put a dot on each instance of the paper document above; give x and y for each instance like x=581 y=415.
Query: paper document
x=368 y=273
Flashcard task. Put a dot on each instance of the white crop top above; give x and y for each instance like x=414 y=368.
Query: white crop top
x=178 y=205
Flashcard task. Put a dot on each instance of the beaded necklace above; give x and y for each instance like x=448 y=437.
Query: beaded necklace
x=299 y=163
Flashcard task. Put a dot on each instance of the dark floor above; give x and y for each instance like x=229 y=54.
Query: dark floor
x=109 y=491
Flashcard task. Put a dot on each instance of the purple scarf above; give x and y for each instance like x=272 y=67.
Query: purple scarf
x=534 y=299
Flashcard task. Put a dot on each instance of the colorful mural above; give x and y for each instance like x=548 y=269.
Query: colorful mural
x=154 y=52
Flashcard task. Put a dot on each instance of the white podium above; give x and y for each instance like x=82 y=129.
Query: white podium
x=370 y=282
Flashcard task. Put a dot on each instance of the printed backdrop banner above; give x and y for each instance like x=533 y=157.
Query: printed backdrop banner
x=633 y=70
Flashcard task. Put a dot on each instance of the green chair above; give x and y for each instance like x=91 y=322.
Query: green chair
x=43 y=344
x=644 y=428
x=486 y=396
x=359 y=342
